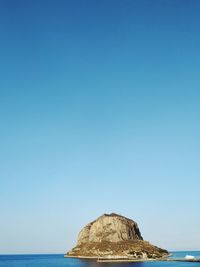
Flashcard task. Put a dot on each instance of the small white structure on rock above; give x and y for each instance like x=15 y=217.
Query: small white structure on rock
x=189 y=257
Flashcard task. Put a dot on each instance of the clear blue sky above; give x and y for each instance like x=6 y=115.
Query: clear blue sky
x=99 y=112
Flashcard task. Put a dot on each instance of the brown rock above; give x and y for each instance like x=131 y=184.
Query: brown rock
x=111 y=228
x=113 y=235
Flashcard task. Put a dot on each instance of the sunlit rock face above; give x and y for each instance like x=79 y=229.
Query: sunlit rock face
x=110 y=228
x=114 y=236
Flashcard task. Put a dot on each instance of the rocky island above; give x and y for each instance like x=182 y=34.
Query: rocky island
x=114 y=237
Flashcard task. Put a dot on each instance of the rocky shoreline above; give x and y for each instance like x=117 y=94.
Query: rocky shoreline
x=115 y=259
x=135 y=249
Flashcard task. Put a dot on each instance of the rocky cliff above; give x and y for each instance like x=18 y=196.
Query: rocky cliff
x=113 y=235
x=110 y=228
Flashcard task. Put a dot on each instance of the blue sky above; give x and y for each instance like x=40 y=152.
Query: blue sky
x=99 y=112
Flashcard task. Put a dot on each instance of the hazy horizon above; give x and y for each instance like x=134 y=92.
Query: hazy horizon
x=99 y=104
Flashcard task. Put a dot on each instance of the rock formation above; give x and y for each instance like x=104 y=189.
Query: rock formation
x=114 y=236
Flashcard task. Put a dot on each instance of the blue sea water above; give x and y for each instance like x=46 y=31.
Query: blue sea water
x=55 y=260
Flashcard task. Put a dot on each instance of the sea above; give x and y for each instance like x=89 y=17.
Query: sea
x=58 y=260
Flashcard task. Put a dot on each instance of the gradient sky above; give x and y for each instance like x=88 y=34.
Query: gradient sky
x=99 y=112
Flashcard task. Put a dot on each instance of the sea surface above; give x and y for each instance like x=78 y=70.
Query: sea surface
x=55 y=260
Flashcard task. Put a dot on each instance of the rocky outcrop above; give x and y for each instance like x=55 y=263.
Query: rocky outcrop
x=110 y=228
x=113 y=235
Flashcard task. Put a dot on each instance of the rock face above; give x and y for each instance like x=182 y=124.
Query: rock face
x=110 y=228
x=113 y=236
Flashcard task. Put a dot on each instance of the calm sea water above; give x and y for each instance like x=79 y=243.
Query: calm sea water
x=60 y=261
